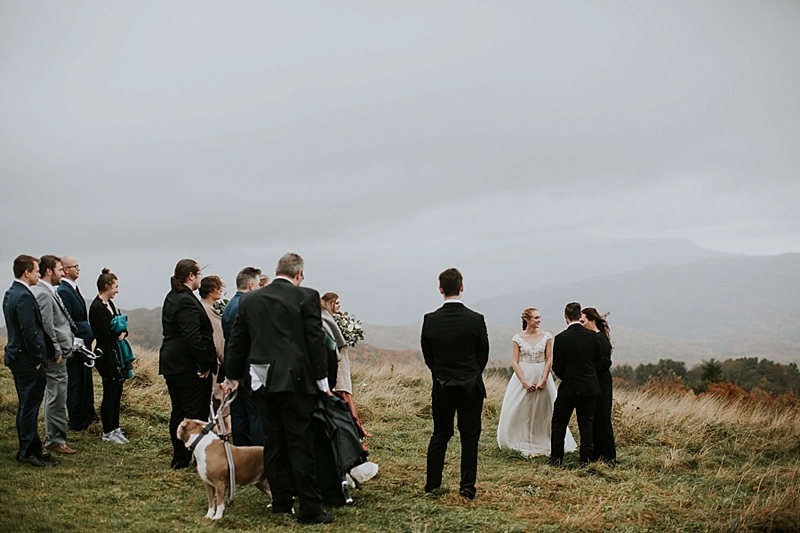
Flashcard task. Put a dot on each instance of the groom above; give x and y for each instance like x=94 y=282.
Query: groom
x=456 y=349
x=577 y=358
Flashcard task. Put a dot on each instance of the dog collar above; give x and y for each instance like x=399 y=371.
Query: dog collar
x=206 y=431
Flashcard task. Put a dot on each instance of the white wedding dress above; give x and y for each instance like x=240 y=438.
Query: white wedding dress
x=525 y=416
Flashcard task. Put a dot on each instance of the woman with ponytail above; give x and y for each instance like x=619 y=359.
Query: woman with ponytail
x=528 y=403
x=605 y=449
x=188 y=356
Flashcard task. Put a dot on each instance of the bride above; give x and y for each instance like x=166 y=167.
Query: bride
x=528 y=403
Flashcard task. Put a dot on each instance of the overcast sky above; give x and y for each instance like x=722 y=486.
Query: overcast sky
x=362 y=134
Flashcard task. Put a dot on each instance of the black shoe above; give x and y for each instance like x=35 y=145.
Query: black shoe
x=553 y=462
x=282 y=508
x=45 y=456
x=321 y=518
x=34 y=461
x=467 y=493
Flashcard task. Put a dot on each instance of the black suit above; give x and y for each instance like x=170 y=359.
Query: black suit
x=26 y=347
x=186 y=351
x=280 y=326
x=455 y=346
x=604 y=446
x=577 y=358
x=80 y=389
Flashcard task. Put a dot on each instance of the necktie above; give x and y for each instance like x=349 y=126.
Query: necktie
x=72 y=325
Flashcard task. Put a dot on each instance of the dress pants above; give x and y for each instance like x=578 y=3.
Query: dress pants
x=55 y=403
x=246 y=426
x=80 y=393
x=30 y=384
x=109 y=408
x=191 y=398
x=446 y=402
x=604 y=447
x=286 y=420
x=562 y=411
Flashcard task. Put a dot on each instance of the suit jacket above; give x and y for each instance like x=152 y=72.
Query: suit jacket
x=24 y=329
x=54 y=319
x=100 y=318
x=280 y=325
x=76 y=307
x=455 y=346
x=577 y=359
x=188 y=345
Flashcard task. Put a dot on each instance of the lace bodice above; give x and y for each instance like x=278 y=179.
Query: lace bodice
x=529 y=354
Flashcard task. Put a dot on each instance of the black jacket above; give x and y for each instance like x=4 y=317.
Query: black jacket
x=76 y=307
x=100 y=321
x=455 y=346
x=26 y=337
x=577 y=359
x=188 y=345
x=280 y=325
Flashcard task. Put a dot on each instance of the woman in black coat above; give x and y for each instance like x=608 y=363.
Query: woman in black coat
x=101 y=311
x=603 y=432
x=187 y=358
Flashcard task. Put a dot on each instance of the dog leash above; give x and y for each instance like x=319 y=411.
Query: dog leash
x=219 y=420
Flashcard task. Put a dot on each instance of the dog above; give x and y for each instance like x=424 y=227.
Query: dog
x=212 y=464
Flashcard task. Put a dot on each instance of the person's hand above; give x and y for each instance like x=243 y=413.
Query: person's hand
x=204 y=375
x=233 y=384
x=329 y=392
x=38 y=366
x=541 y=385
x=121 y=336
x=58 y=358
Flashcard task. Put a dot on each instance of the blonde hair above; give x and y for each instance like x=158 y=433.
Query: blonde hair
x=527 y=314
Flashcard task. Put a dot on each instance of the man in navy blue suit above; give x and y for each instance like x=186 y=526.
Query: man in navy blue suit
x=80 y=391
x=26 y=355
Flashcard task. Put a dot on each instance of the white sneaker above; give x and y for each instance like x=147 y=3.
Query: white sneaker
x=120 y=436
x=112 y=437
x=364 y=472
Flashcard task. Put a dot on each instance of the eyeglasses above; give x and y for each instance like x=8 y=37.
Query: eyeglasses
x=73 y=266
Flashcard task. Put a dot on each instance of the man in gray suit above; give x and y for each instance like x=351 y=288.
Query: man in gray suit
x=59 y=329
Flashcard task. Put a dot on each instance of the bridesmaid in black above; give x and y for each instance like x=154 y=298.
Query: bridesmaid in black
x=604 y=447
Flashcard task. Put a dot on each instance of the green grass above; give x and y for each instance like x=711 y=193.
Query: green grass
x=685 y=464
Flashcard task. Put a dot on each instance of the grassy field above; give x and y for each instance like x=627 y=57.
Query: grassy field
x=685 y=464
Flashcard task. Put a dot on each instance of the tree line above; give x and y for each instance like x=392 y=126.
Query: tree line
x=748 y=373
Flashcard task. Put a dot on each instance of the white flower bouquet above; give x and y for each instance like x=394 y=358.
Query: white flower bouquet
x=351 y=328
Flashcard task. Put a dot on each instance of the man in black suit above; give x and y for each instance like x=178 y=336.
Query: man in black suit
x=577 y=358
x=455 y=346
x=26 y=355
x=278 y=330
x=80 y=389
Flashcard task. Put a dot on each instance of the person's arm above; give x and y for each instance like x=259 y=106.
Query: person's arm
x=43 y=300
x=238 y=348
x=599 y=360
x=548 y=363
x=558 y=358
x=26 y=317
x=425 y=343
x=188 y=317
x=605 y=344
x=315 y=339
x=517 y=368
x=482 y=349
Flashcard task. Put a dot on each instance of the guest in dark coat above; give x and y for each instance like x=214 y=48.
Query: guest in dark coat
x=101 y=311
x=26 y=355
x=188 y=357
x=604 y=447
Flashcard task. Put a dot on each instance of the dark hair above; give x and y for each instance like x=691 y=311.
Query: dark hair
x=105 y=280
x=329 y=298
x=289 y=265
x=247 y=275
x=208 y=284
x=450 y=281
x=183 y=270
x=599 y=320
x=48 y=261
x=573 y=311
x=527 y=314
x=24 y=263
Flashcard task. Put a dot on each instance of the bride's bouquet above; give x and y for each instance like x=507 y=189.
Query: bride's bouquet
x=351 y=328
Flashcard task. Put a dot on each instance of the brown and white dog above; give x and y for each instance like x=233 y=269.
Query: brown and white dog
x=212 y=464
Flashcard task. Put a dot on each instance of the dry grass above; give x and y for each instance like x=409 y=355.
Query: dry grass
x=686 y=463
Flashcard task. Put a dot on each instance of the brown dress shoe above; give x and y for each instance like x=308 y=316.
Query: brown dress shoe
x=63 y=448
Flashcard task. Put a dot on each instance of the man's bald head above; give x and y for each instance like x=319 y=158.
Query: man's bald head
x=71 y=268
